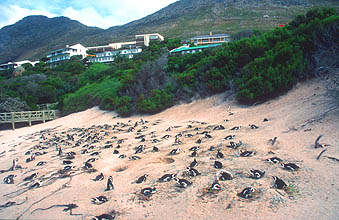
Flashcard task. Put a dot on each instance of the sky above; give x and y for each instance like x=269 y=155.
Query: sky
x=99 y=13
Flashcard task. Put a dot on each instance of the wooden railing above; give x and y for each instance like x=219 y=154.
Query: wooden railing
x=48 y=106
x=30 y=116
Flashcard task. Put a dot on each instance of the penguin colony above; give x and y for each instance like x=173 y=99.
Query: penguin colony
x=193 y=143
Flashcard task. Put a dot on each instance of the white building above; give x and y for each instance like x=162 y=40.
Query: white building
x=145 y=39
x=57 y=56
x=13 y=65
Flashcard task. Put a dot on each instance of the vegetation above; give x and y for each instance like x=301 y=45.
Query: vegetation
x=257 y=66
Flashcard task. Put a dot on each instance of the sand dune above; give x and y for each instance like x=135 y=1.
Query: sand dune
x=294 y=118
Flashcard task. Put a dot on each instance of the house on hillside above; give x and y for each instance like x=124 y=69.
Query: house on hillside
x=13 y=65
x=145 y=39
x=186 y=49
x=107 y=53
x=57 y=56
x=210 y=39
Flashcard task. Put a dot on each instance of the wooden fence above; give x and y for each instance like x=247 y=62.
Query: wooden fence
x=48 y=106
x=29 y=116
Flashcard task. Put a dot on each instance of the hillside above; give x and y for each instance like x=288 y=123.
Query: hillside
x=313 y=187
x=33 y=36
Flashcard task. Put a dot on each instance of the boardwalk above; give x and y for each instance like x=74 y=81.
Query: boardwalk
x=29 y=117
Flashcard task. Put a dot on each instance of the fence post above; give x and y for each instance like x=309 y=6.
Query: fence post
x=29 y=119
x=13 y=121
x=43 y=117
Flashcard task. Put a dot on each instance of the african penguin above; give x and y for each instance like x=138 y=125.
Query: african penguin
x=246 y=153
x=229 y=137
x=100 y=177
x=224 y=175
x=109 y=184
x=167 y=177
x=104 y=217
x=134 y=158
x=290 y=166
x=246 y=193
x=148 y=191
x=194 y=163
x=183 y=183
x=220 y=155
x=174 y=151
x=217 y=164
x=235 y=128
x=274 y=160
x=256 y=174
x=215 y=186
x=99 y=200
x=279 y=183
x=141 y=179
x=9 y=179
x=194 y=148
x=28 y=178
x=192 y=172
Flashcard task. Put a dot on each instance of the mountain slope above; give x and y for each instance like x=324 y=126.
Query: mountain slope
x=33 y=36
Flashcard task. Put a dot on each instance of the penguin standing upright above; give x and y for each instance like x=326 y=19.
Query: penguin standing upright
x=279 y=183
x=110 y=183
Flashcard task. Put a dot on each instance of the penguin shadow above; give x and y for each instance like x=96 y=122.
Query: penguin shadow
x=120 y=169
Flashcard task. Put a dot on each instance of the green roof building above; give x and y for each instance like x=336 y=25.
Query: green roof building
x=187 y=49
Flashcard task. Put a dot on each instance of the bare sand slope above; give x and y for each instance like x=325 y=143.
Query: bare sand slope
x=312 y=192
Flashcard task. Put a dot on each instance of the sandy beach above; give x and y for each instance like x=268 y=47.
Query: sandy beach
x=296 y=119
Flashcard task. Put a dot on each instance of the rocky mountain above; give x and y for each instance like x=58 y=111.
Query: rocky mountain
x=33 y=36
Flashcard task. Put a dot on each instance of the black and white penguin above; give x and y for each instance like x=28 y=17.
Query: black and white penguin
x=235 y=128
x=246 y=193
x=148 y=191
x=66 y=162
x=229 y=137
x=167 y=177
x=41 y=163
x=253 y=126
x=219 y=127
x=198 y=141
x=109 y=184
x=91 y=160
x=212 y=148
x=279 y=183
x=59 y=151
x=174 y=151
x=188 y=135
x=116 y=152
x=194 y=154
x=9 y=179
x=14 y=164
x=35 y=185
x=256 y=174
x=100 y=177
x=274 y=160
x=88 y=165
x=99 y=200
x=103 y=217
x=194 y=163
x=141 y=179
x=220 y=155
x=290 y=166
x=28 y=178
x=31 y=158
x=182 y=183
x=140 y=149
x=195 y=148
x=215 y=186
x=122 y=156
x=155 y=149
x=208 y=136
x=217 y=164
x=225 y=175
x=192 y=172
x=246 y=153
x=134 y=158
